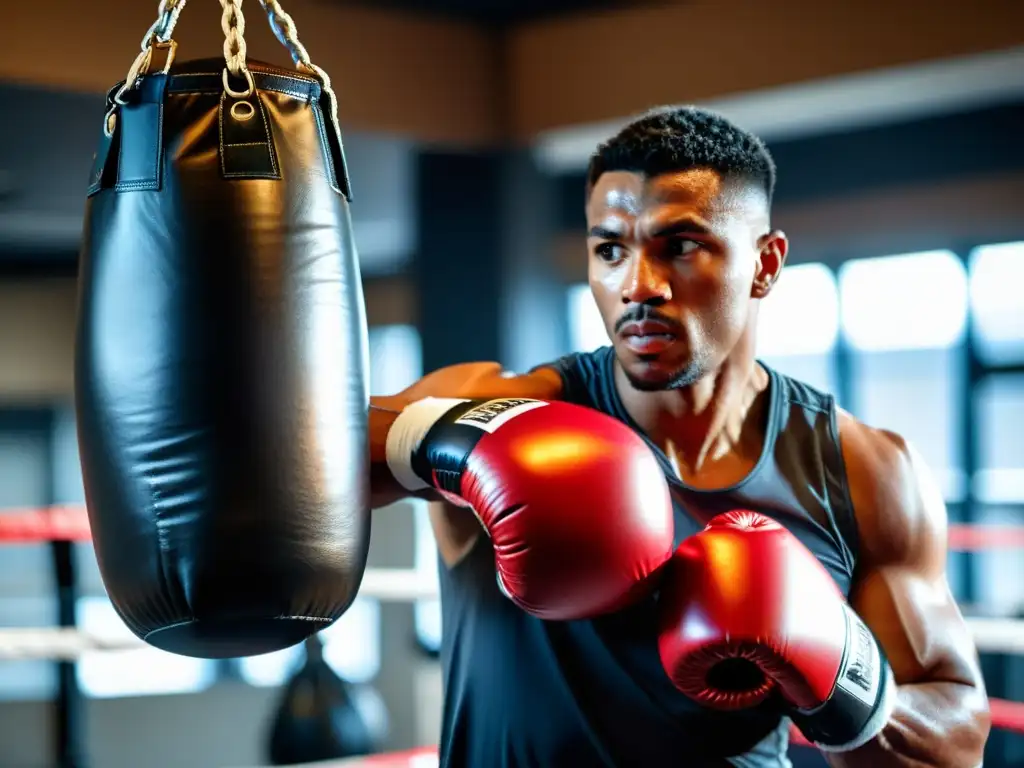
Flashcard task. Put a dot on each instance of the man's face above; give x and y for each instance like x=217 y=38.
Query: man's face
x=674 y=261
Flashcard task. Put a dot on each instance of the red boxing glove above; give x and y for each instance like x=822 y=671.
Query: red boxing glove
x=575 y=503
x=747 y=610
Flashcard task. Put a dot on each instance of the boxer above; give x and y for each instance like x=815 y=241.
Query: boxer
x=681 y=253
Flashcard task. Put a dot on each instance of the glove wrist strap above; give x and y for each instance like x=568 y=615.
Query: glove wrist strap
x=862 y=700
x=407 y=433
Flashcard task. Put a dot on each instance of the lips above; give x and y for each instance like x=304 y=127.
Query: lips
x=647 y=337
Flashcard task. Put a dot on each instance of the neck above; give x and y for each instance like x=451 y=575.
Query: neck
x=706 y=420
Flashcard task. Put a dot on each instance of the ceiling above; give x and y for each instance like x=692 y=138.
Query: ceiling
x=497 y=13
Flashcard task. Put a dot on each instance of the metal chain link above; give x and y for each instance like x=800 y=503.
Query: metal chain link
x=159 y=33
x=167 y=18
x=284 y=28
x=233 y=25
x=232 y=22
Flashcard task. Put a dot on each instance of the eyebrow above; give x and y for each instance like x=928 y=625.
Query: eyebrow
x=604 y=233
x=682 y=227
x=679 y=227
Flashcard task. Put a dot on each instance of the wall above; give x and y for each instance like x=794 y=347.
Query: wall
x=978 y=204
x=975 y=209
x=394 y=73
x=44 y=163
x=442 y=81
x=36 y=322
x=37 y=316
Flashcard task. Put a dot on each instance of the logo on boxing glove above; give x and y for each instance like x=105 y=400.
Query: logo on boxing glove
x=492 y=414
x=861 y=674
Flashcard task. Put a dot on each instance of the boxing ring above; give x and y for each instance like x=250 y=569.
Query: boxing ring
x=69 y=523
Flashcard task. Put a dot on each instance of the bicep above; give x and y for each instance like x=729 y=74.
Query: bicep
x=900 y=589
x=918 y=624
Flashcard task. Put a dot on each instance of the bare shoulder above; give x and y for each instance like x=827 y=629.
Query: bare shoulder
x=900 y=512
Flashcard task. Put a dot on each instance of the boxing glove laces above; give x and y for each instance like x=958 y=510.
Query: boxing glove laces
x=748 y=612
x=575 y=504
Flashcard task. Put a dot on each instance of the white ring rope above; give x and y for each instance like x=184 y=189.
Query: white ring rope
x=1004 y=636
x=67 y=644
x=71 y=523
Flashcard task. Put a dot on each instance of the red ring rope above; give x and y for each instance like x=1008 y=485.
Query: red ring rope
x=1006 y=715
x=71 y=523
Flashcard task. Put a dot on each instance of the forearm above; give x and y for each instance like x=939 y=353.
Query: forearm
x=383 y=412
x=476 y=381
x=938 y=725
x=384 y=489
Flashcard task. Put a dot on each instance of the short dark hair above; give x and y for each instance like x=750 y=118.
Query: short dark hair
x=672 y=139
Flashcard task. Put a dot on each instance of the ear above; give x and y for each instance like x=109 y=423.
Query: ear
x=772 y=250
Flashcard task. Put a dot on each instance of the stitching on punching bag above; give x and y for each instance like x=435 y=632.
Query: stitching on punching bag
x=252 y=155
x=140 y=153
x=325 y=146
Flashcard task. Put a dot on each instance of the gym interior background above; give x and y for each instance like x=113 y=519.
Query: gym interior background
x=898 y=128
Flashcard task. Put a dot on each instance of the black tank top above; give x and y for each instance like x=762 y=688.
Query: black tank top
x=526 y=693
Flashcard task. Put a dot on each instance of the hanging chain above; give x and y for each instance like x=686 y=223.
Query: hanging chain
x=158 y=35
x=284 y=28
x=167 y=18
x=232 y=22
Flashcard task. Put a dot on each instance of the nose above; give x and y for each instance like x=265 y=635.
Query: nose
x=646 y=283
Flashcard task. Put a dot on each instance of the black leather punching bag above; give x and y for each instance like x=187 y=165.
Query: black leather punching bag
x=318 y=717
x=221 y=356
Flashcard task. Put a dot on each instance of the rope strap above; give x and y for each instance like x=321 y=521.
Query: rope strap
x=232 y=23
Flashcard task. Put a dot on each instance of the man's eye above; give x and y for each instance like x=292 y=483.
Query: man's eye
x=681 y=246
x=609 y=251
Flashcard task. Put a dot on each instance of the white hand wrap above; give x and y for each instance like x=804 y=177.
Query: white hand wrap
x=407 y=433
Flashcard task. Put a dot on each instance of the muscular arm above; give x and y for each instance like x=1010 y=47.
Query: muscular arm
x=941 y=719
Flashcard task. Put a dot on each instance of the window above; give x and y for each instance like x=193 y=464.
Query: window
x=396 y=358
x=428 y=612
x=396 y=362
x=586 y=328
x=798 y=324
x=904 y=318
x=135 y=672
x=917 y=301
x=67 y=489
x=999 y=409
x=1000 y=591
x=351 y=647
x=26 y=585
x=271 y=670
x=996 y=273
x=28 y=680
x=352 y=644
x=999 y=486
